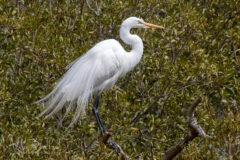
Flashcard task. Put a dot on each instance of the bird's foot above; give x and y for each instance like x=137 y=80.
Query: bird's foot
x=116 y=146
x=107 y=140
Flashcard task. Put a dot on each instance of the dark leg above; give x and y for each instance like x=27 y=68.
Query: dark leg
x=95 y=112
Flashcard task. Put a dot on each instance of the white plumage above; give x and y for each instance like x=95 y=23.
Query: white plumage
x=96 y=71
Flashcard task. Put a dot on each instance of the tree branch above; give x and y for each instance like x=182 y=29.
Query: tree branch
x=105 y=139
x=195 y=131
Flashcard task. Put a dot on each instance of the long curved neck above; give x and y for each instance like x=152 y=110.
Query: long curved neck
x=136 y=44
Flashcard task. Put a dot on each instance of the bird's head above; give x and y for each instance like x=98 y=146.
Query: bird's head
x=134 y=22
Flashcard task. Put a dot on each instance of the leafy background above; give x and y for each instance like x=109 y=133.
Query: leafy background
x=197 y=55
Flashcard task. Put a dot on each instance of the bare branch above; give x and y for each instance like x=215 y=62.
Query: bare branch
x=194 y=126
x=191 y=109
x=173 y=151
x=192 y=122
x=196 y=131
x=105 y=139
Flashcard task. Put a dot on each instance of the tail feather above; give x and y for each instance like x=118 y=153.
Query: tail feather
x=69 y=108
x=75 y=88
x=78 y=112
x=90 y=73
x=50 y=103
x=57 y=108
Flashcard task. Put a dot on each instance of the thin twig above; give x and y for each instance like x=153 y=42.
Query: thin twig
x=92 y=145
x=71 y=27
x=154 y=104
x=95 y=11
x=50 y=7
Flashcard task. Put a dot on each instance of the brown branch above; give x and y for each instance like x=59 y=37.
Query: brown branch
x=105 y=139
x=195 y=131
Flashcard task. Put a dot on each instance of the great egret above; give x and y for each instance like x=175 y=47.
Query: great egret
x=96 y=71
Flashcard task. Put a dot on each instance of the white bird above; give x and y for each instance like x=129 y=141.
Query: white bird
x=96 y=71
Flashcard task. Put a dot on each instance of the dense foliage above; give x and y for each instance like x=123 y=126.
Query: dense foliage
x=197 y=55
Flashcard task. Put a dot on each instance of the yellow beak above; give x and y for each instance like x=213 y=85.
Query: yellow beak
x=152 y=25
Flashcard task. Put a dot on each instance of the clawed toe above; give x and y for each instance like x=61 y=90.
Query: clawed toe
x=113 y=144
